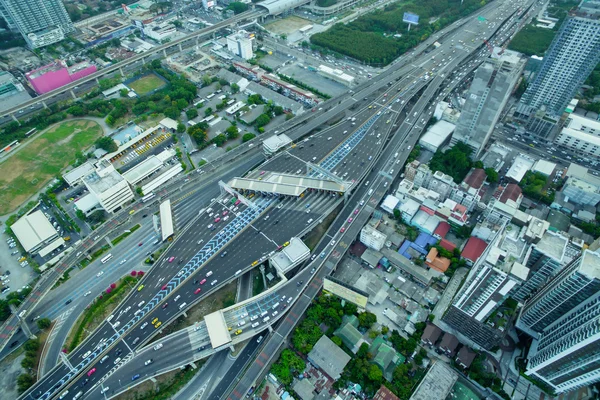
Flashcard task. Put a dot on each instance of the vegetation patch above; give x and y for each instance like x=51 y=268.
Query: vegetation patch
x=532 y=40
x=121 y=237
x=43 y=158
x=379 y=37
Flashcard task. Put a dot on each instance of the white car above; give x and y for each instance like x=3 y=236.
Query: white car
x=145 y=324
x=148 y=362
x=123 y=261
x=99 y=274
x=87 y=293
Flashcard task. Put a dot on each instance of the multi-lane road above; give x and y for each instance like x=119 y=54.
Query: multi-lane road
x=250 y=231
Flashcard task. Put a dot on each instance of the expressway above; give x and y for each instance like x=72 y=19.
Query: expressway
x=188 y=246
x=189 y=249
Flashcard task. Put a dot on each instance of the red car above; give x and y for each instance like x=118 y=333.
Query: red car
x=197 y=291
x=171 y=259
x=164 y=287
x=342 y=230
x=140 y=243
x=91 y=372
x=203 y=281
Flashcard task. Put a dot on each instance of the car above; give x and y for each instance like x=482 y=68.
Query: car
x=158 y=346
x=145 y=324
x=157 y=325
x=342 y=230
x=140 y=288
x=177 y=298
x=165 y=305
x=140 y=243
x=87 y=293
x=213 y=283
x=171 y=259
x=238 y=331
x=223 y=254
x=209 y=273
x=123 y=261
x=148 y=362
x=104 y=390
x=91 y=372
x=68 y=302
x=87 y=353
x=99 y=274
x=197 y=291
x=136 y=376
x=203 y=281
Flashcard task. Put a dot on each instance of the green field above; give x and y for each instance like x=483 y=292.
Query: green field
x=44 y=157
x=146 y=84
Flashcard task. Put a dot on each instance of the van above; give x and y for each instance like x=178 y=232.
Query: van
x=266 y=319
x=64 y=394
x=78 y=395
x=182 y=305
x=141 y=303
x=370 y=192
x=104 y=359
x=396 y=155
x=275 y=313
x=275 y=305
x=239 y=271
x=254 y=325
x=262 y=314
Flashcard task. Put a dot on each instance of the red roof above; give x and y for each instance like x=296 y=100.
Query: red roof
x=473 y=249
x=511 y=192
x=385 y=394
x=448 y=245
x=475 y=178
x=442 y=229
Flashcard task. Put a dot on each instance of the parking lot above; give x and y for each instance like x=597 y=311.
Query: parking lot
x=314 y=80
x=18 y=276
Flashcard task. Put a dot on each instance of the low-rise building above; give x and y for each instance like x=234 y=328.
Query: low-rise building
x=465 y=357
x=436 y=136
x=581 y=136
x=437 y=262
x=336 y=75
x=108 y=186
x=430 y=335
x=34 y=231
x=372 y=238
x=12 y=92
x=328 y=357
x=449 y=344
x=58 y=74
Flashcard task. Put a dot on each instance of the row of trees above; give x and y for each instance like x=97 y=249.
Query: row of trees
x=455 y=162
x=534 y=186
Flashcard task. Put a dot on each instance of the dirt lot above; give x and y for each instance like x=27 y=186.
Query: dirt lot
x=10 y=369
x=287 y=25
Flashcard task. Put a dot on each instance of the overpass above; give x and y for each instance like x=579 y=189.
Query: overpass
x=276 y=7
x=173 y=46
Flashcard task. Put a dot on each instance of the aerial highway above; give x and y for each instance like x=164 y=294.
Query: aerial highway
x=186 y=250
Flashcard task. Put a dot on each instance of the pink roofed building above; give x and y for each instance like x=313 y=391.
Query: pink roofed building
x=58 y=74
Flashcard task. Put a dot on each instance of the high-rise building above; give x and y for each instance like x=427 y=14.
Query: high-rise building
x=573 y=285
x=573 y=54
x=495 y=275
x=485 y=100
x=544 y=260
x=40 y=22
x=564 y=319
x=109 y=187
x=240 y=44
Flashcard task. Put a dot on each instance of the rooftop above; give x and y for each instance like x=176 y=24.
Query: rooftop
x=438 y=133
x=329 y=357
x=519 y=168
x=511 y=192
x=473 y=249
x=437 y=383
x=101 y=184
x=553 y=245
x=33 y=229
x=590 y=264
x=475 y=178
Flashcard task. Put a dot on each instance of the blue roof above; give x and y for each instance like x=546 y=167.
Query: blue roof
x=425 y=239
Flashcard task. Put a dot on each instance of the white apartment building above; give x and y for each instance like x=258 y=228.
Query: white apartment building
x=581 y=136
x=108 y=186
x=372 y=238
x=240 y=44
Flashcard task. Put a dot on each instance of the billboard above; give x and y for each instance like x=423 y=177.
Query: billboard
x=411 y=18
x=346 y=292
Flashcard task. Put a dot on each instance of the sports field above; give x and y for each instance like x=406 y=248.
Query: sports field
x=41 y=159
x=146 y=84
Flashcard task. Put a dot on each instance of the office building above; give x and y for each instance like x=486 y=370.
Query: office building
x=40 y=22
x=485 y=100
x=572 y=56
x=581 y=136
x=581 y=187
x=240 y=44
x=12 y=92
x=108 y=186
x=573 y=285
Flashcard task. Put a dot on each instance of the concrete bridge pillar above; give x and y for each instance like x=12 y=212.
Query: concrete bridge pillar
x=180 y=47
x=44 y=104
x=121 y=71
x=73 y=94
x=15 y=118
x=164 y=52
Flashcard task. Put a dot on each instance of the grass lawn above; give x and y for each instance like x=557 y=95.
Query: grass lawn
x=146 y=84
x=41 y=159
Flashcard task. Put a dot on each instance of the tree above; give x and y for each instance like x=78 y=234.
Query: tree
x=375 y=373
x=96 y=217
x=198 y=134
x=232 y=132
x=24 y=382
x=398 y=215
x=278 y=110
x=337 y=341
x=366 y=319
x=77 y=110
x=206 y=80
x=182 y=104
x=181 y=127
x=27 y=362
x=262 y=120
x=492 y=175
x=171 y=112
x=219 y=140
x=191 y=113
x=247 y=137
x=44 y=323
x=106 y=143
x=208 y=112
x=235 y=87
x=237 y=7
x=123 y=92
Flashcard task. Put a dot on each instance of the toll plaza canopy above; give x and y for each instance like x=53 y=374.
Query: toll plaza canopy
x=166 y=220
x=289 y=185
x=217 y=329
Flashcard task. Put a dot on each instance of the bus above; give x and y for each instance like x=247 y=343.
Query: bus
x=31 y=132
x=148 y=197
x=105 y=259
x=210 y=96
